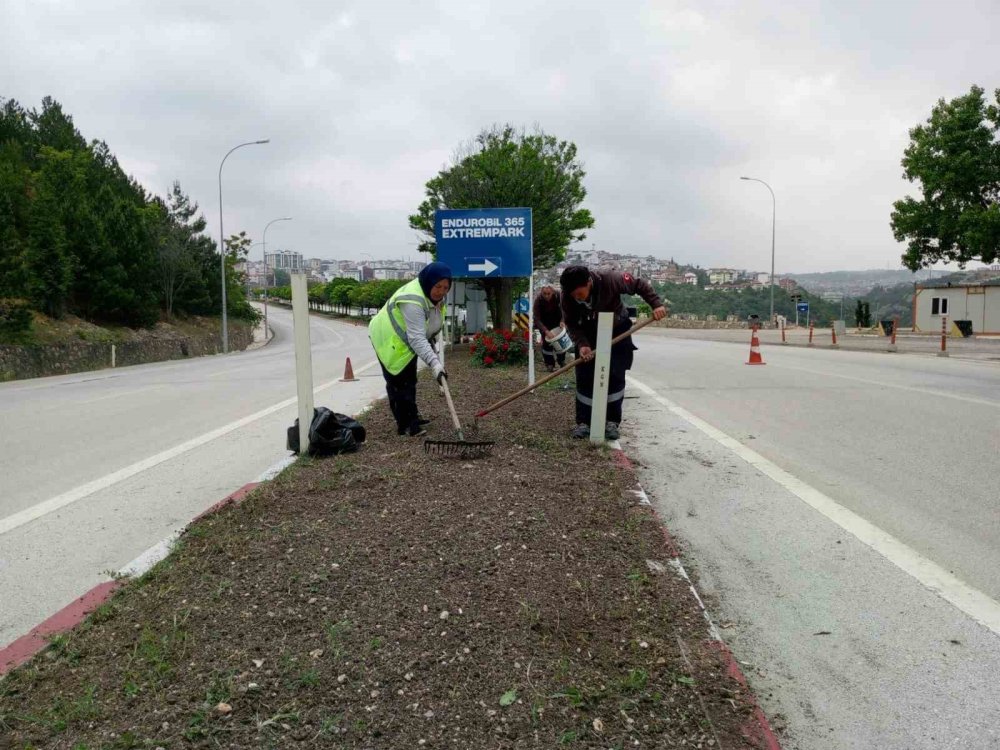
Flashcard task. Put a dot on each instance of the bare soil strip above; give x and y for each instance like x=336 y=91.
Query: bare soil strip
x=391 y=599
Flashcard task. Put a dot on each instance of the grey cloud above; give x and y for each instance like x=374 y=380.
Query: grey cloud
x=669 y=103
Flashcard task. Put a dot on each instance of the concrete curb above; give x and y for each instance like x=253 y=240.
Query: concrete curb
x=758 y=731
x=67 y=618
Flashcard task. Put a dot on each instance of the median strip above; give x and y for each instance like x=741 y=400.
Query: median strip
x=391 y=599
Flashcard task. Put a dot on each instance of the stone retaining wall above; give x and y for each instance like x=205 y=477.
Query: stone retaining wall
x=19 y=362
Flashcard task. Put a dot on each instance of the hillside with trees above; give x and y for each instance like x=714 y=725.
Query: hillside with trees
x=78 y=236
x=690 y=299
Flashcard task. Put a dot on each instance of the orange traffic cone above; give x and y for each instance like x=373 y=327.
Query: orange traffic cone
x=755 y=358
x=348 y=373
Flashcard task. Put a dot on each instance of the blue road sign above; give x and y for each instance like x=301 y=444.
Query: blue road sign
x=521 y=305
x=802 y=307
x=484 y=242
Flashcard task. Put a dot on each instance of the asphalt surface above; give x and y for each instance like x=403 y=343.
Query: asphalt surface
x=97 y=467
x=985 y=348
x=815 y=497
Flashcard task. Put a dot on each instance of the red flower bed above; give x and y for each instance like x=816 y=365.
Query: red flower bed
x=499 y=347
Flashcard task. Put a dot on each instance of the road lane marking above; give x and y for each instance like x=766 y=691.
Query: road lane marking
x=882 y=384
x=971 y=601
x=911 y=388
x=122 y=394
x=61 y=501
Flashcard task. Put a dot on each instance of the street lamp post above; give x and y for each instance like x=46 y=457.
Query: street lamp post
x=283 y=218
x=773 y=212
x=222 y=244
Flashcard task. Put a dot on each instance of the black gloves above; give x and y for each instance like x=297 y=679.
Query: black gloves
x=441 y=377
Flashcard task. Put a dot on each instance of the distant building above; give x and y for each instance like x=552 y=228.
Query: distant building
x=722 y=275
x=285 y=260
x=975 y=301
x=691 y=278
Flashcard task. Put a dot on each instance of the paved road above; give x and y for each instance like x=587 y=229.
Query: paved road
x=97 y=467
x=819 y=498
x=986 y=348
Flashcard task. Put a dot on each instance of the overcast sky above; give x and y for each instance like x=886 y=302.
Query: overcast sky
x=668 y=103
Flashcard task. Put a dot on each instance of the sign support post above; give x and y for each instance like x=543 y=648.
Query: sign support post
x=602 y=377
x=303 y=358
x=531 y=322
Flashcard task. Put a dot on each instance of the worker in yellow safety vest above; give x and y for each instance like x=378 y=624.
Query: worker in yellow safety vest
x=402 y=331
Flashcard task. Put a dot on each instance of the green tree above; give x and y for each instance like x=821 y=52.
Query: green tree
x=505 y=167
x=49 y=263
x=955 y=156
x=180 y=227
x=237 y=247
x=339 y=293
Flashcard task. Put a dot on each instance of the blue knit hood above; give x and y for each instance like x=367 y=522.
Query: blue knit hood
x=431 y=274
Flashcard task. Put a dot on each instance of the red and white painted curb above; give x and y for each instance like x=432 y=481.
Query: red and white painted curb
x=67 y=618
x=24 y=648
x=758 y=731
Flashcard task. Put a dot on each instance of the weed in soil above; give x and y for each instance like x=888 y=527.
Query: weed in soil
x=390 y=599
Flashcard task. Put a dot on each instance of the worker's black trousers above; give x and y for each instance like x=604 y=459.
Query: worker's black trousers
x=402 y=392
x=621 y=362
x=550 y=356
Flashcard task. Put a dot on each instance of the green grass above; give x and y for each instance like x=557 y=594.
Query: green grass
x=335 y=634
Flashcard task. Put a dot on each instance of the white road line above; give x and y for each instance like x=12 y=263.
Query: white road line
x=911 y=388
x=144 y=562
x=279 y=467
x=61 y=501
x=969 y=600
x=110 y=396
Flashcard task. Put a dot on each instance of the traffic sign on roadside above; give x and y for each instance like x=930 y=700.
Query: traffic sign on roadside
x=522 y=305
x=802 y=307
x=484 y=242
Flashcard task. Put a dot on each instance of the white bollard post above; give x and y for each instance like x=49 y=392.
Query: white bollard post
x=113 y=356
x=531 y=328
x=303 y=358
x=602 y=377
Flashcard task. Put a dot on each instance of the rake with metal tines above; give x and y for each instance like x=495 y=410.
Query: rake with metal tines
x=460 y=448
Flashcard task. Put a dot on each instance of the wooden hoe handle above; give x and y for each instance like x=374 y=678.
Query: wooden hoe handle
x=560 y=371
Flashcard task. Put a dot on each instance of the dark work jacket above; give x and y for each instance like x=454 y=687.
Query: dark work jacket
x=606 y=296
x=548 y=313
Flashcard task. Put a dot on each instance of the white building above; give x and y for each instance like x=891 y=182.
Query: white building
x=722 y=275
x=285 y=260
x=975 y=301
x=691 y=278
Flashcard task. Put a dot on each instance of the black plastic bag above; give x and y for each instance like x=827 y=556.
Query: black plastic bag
x=330 y=433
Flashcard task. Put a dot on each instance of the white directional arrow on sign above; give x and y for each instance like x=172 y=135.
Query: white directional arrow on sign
x=487 y=267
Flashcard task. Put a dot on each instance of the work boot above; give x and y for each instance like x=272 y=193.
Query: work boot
x=421 y=421
x=581 y=431
x=549 y=368
x=611 y=431
x=415 y=430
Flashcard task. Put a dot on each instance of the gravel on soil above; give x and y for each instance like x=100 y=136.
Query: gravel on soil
x=395 y=599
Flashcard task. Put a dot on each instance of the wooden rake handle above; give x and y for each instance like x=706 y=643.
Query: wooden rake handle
x=451 y=408
x=557 y=373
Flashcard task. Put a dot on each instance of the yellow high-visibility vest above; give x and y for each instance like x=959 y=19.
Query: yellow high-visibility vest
x=387 y=330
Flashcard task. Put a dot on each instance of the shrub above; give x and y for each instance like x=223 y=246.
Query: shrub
x=499 y=347
x=15 y=321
